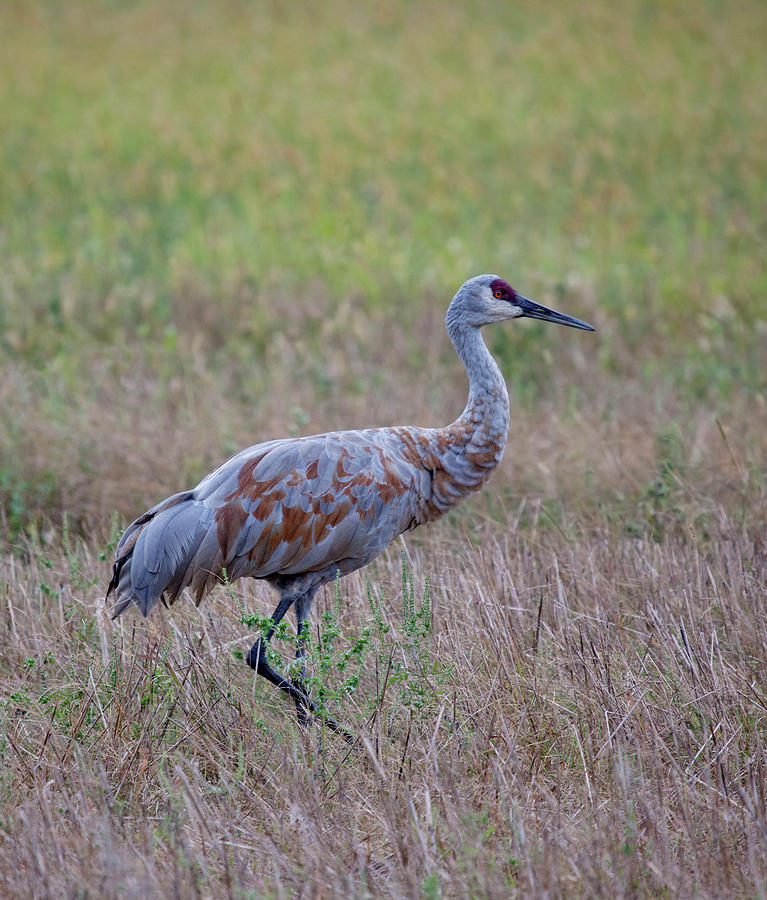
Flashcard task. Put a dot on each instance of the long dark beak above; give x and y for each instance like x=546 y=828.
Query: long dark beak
x=533 y=310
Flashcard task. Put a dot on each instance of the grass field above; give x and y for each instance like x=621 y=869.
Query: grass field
x=225 y=223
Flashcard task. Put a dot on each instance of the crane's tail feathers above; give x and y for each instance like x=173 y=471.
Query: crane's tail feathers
x=154 y=555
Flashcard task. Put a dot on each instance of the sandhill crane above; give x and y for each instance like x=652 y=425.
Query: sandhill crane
x=297 y=511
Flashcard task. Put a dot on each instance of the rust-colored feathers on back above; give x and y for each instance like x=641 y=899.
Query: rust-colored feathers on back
x=287 y=507
x=294 y=507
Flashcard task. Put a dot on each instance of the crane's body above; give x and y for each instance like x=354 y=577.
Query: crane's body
x=298 y=511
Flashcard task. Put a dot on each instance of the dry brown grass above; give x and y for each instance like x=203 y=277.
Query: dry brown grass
x=586 y=717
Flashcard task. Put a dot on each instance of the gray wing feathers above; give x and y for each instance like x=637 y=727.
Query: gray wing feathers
x=284 y=507
x=155 y=553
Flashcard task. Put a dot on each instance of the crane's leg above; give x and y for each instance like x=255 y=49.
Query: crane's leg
x=303 y=608
x=257 y=657
x=257 y=660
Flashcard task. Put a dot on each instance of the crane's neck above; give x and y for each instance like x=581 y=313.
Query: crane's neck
x=463 y=455
x=487 y=409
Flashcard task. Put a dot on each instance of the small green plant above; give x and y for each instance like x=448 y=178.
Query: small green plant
x=341 y=664
x=412 y=672
x=661 y=502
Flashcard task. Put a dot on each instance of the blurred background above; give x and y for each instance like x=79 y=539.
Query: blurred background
x=227 y=222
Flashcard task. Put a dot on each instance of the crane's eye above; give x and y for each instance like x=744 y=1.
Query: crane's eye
x=498 y=294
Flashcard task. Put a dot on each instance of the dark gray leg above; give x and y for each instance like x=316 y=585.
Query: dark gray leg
x=257 y=657
x=303 y=608
x=258 y=649
x=257 y=660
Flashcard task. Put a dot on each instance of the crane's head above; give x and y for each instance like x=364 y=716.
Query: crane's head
x=488 y=298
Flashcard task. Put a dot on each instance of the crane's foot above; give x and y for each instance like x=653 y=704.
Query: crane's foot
x=303 y=712
x=305 y=706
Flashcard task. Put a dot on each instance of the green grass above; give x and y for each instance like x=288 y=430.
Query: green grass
x=225 y=223
x=380 y=153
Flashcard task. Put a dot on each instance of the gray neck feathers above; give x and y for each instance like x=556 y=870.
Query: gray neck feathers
x=466 y=452
x=488 y=404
